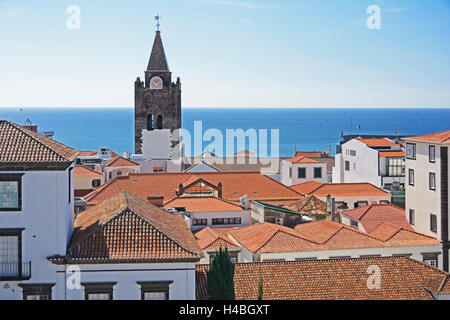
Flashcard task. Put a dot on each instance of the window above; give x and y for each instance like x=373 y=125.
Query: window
x=359 y=204
x=150 y=122
x=11 y=192
x=159 y=122
x=431 y=258
x=317 y=173
x=226 y=221
x=119 y=173
x=432 y=263
x=395 y=167
x=96 y=183
x=432 y=154
x=301 y=173
x=199 y=222
x=70 y=184
x=412 y=217
x=352 y=153
x=354 y=224
x=433 y=223
x=11 y=255
x=410 y=151
x=36 y=291
x=99 y=291
x=155 y=290
x=411 y=177
x=290 y=172
x=432 y=181
x=347 y=165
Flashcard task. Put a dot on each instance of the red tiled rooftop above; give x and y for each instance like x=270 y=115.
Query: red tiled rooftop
x=234 y=186
x=440 y=137
x=302 y=159
x=22 y=147
x=377 y=142
x=215 y=238
x=85 y=171
x=125 y=228
x=391 y=154
x=372 y=216
x=333 y=279
x=121 y=162
x=339 y=189
x=202 y=204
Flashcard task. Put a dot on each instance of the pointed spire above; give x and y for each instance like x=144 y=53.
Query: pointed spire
x=158 y=61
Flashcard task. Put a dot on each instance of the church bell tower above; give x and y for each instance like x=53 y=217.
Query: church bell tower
x=157 y=99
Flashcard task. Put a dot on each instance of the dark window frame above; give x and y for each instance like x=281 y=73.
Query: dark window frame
x=413 y=145
x=15 y=233
x=96 y=183
x=99 y=288
x=432 y=159
x=321 y=173
x=155 y=286
x=14 y=177
x=347 y=165
x=412 y=217
x=409 y=177
x=42 y=289
x=70 y=184
x=303 y=169
x=432 y=174
x=433 y=223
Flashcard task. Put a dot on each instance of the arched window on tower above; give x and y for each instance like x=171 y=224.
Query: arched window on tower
x=159 y=122
x=150 y=122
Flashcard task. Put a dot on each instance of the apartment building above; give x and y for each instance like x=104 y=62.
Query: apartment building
x=427 y=190
x=380 y=162
x=301 y=169
x=86 y=180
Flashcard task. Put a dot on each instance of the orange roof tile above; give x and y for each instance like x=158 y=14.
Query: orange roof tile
x=235 y=185
x=23 y=148
x=339 y=189
x=302 y=159
x=319 y=236
x=87 y=153
x=377 y=142
x=202 y=204
x=121 y=162
x=125 y=228
x=391 y=154
x=333 y=279
x=215 y=238
x=307 y=187
x=308 y=204
x=373 y=215
x=440 y=137
x=85 y=171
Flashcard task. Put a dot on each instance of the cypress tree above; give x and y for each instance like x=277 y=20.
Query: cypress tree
x=260 y=287
x=220 y=277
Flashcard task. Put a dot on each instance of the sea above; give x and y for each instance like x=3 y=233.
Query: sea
x=298 y=129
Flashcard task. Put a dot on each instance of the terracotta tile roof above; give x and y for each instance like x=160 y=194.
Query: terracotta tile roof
x=311 y=154
x=85 y=171
x=121 y=162
x=339 y=189
x=304 y=205
x=391 y=154
x=202 y=204
x=307 y=187
x=373 y=215
x=333 y=279
x=87 y=153
x=22 y=147
x=319 y=236
x=235 y=185
x=302 y=159
x=440 y=137
x=215 y=238
x=377 y=142
x=125 y=228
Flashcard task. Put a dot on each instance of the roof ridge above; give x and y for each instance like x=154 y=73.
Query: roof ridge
x=32 y=134
x=87 y=168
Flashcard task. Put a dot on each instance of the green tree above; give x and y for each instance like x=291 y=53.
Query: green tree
x=220 y=277
x=260 y=287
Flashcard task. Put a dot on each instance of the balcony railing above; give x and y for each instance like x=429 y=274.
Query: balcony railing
x=15 y=271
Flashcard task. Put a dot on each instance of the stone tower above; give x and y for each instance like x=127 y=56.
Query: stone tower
x=158 y=99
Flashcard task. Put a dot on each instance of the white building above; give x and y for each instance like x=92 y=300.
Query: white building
x=120 y=166
x=380 y=162
x=301 y=169
x=36 y=204
x=427 y=186
x=123 y=248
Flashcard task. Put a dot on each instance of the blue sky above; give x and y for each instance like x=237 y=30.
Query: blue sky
x=228 y=53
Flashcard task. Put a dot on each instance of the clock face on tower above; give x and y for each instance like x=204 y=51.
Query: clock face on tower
x=156 y=83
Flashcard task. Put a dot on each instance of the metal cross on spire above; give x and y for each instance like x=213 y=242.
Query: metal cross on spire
x=157 y=18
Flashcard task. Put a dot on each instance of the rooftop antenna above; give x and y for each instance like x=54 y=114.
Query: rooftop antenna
x=157 y=18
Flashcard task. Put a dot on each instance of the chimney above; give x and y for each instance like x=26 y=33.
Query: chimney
x=156 y=201
x=333 y=201
x=219 y=190
x=328 y=204
x=180 y=190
